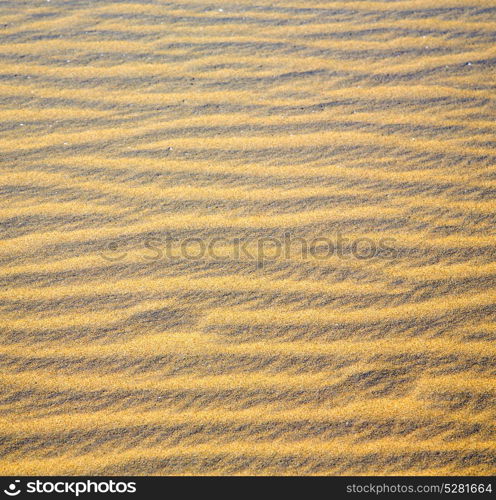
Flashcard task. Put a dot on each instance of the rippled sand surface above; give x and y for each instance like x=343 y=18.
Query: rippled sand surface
x=128 y=127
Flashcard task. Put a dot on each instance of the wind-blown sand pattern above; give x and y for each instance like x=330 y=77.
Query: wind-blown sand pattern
x=124 y=122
